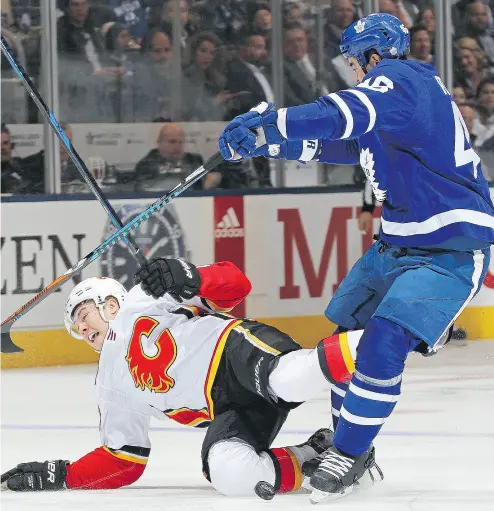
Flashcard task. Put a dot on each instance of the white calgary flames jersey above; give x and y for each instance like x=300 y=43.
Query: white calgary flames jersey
x=159 y=359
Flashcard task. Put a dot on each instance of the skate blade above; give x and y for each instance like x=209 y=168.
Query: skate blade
x=318 y=496
x=369 y=479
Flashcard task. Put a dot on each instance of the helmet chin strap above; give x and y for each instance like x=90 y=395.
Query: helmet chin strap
x=102 y=311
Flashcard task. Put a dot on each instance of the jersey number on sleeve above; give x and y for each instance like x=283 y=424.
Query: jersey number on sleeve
x=463 y=156
x=151 y=372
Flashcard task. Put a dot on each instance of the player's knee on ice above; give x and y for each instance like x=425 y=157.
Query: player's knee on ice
x=235 y=468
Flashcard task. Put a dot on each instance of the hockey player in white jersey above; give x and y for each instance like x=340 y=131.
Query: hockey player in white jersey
x=437 y=226
x=168 y=349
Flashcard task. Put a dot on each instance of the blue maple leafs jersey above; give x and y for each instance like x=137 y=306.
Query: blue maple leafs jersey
x=403 y=127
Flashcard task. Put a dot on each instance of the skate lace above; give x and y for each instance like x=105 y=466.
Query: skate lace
x=336 y=464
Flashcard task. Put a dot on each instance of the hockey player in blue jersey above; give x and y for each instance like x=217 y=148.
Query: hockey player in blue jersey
x=403 y=127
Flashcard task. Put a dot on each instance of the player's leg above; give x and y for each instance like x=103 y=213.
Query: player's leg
x=237 y=458
x=268 y=363
x=428 y=293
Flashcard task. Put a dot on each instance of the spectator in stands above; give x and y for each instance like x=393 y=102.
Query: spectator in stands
x=153 y=77
x=426 y=18
x=167 y=15
x=131 y=13
x=396 y=9
x=485 y=106
x=341 y=16
x=15 y=178
x=469 y=73
x=293 y=13
x=476 y=25
x=118 y=46
x=301 y=81
x=247 y=75
x=259 y=19
x=168 y=164
x=204 y=95
x=468 y=114
x=471 y=44
x=420 y=45
x=78 y=39
x=71 y=179
x=226 y=18
x=485 y=102
x=459 y=96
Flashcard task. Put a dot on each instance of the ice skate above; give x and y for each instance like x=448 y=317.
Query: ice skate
x=320 y=441
x=338 y=474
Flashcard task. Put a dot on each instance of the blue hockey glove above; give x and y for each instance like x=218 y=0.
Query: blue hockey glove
x=256 y=133
x=251 y=134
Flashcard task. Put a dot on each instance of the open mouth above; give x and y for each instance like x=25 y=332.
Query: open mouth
x=92 y=336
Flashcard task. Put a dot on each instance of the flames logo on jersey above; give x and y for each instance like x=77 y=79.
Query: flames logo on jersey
x=151 y=372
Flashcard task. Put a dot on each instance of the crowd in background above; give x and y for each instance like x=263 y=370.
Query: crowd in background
x=116 y=65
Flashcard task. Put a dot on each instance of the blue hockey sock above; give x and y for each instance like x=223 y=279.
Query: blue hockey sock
x=338 y=392
x=375 y=386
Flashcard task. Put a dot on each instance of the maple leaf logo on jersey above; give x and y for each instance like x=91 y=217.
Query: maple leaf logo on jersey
x=360 y=26
x=151 y=372
x=367 y=163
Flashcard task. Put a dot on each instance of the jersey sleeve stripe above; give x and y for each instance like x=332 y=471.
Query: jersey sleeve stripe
x=370 y=107
x=345 y=111
x=309 y=149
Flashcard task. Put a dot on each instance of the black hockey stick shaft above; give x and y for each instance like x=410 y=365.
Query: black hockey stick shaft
x=7 y=346
x=73 y=154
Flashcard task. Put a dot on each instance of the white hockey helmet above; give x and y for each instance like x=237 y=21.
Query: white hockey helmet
x=97 y=289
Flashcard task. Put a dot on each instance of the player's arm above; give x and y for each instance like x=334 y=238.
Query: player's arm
x=119 y=462
x=219 y=286
x=124 y=453
x=385 y=101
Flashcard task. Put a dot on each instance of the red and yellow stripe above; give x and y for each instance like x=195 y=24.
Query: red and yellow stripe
x=336 y=358
x=214 y=364
x=288 y=471
x=126 y=456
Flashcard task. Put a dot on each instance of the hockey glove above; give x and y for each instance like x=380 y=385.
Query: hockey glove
x=174 y=276
x=36 y=476
x=256 y=133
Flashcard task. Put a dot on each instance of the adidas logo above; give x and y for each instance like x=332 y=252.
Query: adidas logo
x=229 y=226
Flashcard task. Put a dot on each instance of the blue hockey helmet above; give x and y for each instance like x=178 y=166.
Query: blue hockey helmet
x=381 y=32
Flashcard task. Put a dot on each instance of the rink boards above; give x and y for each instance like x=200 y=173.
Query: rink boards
x=295 y=246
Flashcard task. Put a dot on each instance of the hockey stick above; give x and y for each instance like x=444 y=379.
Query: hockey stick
x=74 y=156
x=7 y=346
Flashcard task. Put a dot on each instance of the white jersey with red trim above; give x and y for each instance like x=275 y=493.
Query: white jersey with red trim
x=156 y=360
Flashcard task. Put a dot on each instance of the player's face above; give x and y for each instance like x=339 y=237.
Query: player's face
x=90 y=324
x=357 y=69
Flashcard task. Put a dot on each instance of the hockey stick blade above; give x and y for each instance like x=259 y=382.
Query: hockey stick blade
x=120 y=235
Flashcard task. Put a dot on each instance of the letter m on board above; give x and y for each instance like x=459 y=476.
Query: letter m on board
x=294 y=237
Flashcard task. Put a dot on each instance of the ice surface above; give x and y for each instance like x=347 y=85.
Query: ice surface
x=436 y=451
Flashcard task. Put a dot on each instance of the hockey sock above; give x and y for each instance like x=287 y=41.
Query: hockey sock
x=375 y=386
x=288 y=467
x=338 y=392
x=337 y=354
